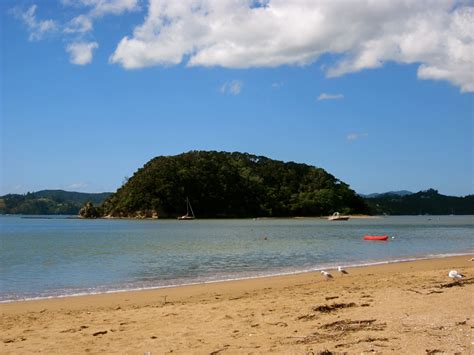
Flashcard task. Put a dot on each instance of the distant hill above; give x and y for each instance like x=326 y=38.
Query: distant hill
x=222 y=184
x=397 y=193
x=423 y=202
x=48 y=202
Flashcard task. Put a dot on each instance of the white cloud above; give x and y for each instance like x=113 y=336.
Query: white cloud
x=233 y=87
x=277 y=85
x=325 y=96
x=363 y=33
x=78 y=185
x=96 y=9
x=37 y=28
x=79 y=24
x=354 y=136
x=100 y=8
x=81 y=52
x=114 y=7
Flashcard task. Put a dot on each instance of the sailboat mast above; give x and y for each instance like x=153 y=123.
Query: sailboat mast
x=189 y=204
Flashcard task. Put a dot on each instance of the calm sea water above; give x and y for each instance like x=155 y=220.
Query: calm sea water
x=60 y=256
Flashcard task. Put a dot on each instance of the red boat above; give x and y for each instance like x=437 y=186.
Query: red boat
x=376 y=237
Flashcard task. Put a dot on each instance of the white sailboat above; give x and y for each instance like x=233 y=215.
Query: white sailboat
x=338 y=217
x=187 y=216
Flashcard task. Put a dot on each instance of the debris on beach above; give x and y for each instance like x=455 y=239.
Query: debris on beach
x=355 y=325
x=333 y=307
x=102 y=332
x=307 y=317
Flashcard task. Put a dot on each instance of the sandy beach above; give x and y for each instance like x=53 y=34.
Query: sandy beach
x=409 y=307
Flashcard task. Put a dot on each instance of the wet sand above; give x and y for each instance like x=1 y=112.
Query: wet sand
x=409 y=307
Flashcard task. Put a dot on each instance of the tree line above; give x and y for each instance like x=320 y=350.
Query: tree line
x=423 y=202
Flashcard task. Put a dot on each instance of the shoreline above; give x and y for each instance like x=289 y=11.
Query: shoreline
x=357 y=216
x=359 y=268
x=328 y=267
x=390 y=308
x=109 y=218
x=68 y=216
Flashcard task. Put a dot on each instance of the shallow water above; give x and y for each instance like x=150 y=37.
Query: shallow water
x=61 y=256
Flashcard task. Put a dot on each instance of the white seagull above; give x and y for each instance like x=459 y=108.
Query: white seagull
x=342 y=271
x=326 y=275
x=455 y=275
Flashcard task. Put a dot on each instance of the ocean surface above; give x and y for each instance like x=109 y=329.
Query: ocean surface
x=55 y=257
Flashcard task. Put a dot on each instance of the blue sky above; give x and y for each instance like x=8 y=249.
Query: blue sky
x=93 y=89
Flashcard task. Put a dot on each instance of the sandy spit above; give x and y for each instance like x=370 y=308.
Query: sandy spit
x=409 y=307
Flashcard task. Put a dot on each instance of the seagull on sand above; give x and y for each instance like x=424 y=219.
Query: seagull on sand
x=342 y=271
x=455 y=275
x=326 y=275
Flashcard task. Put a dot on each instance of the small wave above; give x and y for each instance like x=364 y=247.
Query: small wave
x=227 y=278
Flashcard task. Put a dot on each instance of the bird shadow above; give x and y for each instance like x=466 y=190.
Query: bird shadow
x=457 y=283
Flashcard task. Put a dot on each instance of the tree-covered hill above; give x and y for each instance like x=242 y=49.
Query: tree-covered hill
x=423 y=202
x=221 y=184
x=48 y=202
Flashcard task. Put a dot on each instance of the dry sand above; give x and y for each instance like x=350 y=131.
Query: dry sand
x=403 y=308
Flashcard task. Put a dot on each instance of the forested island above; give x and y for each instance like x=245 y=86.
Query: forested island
x=228 y=185
x=49 y=202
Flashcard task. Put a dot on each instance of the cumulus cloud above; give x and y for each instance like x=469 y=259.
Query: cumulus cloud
x=79 y=24
x=233 y=87
x=81 y=52
x=325 y=96
x=354 y=136
x=363 y=34
x=96 y=9
x=37 y=28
